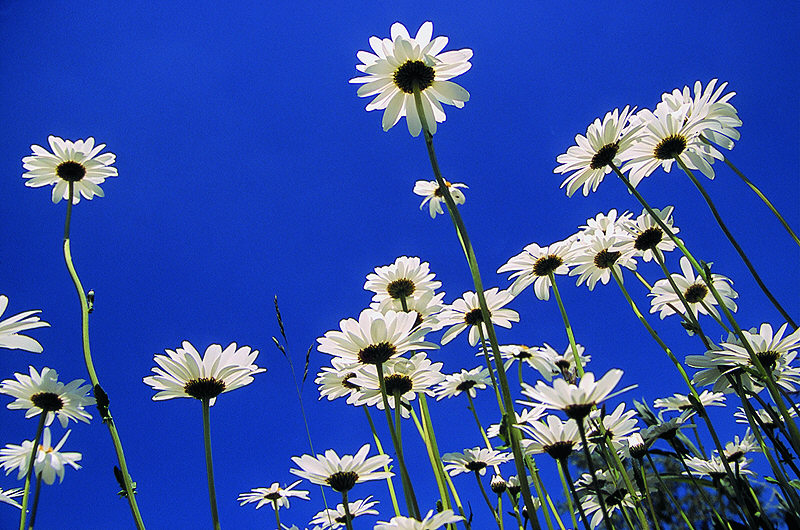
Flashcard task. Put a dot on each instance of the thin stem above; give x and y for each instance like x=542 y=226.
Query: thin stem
x=389 y=481
x=723 y=519
x=495 y=386
x=35 y=506
x=562 y=463
x=457 y=500
x=499 y=511
x=427 y=424
x=480 y=427
x=486 y=497
x=665 y=489
x=515 y=505
x=600 y=500
x=573 y=345
x=540 y=491
x=647 y=496
x=29 y=472
x=440 y=483
x=212 y=495
x=277 y=514
x=348 y=519
x=567 y=496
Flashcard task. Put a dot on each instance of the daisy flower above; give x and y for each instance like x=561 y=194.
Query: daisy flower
x=772 y=349
x=613 y=499
x=78 y=162
x=596 y=253
x=11 y=326
x=406 y=278
x=618 y=425
x=337 y=381
x=553 y=436
x=182 y=373
x=681 y=402
x=465 y=381
x=50 y=461
x=533 y=266
x=330 y=519
x=400 y=64
x=563 y=363
x=343 y=473
x=525 y=416
x=694 y=290
x=532 y=356
x=375 y=337
x=648 y=236
x=769 y=418
x=466 y=313
x=8 y=496
x=37 y=393
x=429 y=522
x=713 y=467
x=476 y=459
x=274 y=496
x=427 y=306
x=575 y=400
x=434 y=196
x=735 y=450
x=590 y=160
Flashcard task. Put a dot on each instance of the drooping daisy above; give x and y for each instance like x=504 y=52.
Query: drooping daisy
x=590 y=160
x=405 y=278
x=429 y=522
x=553 y=436
x=694 y=290
x=682 y=402
x=341 y=473
x=274 y=496
x=11 y=326
x=37 y=393
x=402 y=63
x=575 y=400
x=182 y=373
x=330 y=519
x=563 y=363
x=524 y=416
x=476 y=460
x=466 y=313
x=50 y=461
x=465 y=381
x=533 y=266
x=434 y=197
x=8 y=496
x=648 y=236
x=78 y=162
x=375 y=337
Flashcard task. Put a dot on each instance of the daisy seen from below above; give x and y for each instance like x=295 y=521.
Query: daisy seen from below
x=8 y=496
x=76 y=162
x=406 y=278
x=682 y=402
x=469 y=381
x=375 y=337
x=648 y=236
x=590 y=160
x=13 y=325
x=524 y=416
x=50 y=461
x=428 y=305
x=429 y=522
x=772 y=348
x=182 y=373
x=530 y=355
x=564 y=363
x=337 y=380
x=618 y=426
x=341 y=473
x=275 y=496
x=535 y=264
x=714 y=468
x=596 y=253
x=575 y=400
x=43 y=392
x=474 y=460
x=434 y=197
x=666 y=302
x=331 y=519
x=553 y=436
x=466 y=313
x=401 y=64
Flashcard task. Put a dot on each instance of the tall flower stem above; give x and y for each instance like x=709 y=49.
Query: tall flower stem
x=540 y=491
x=29 y=472
x=212 y=494
x=378 y=444
x=730 y=237
x=433 y=452
x=497 y=517
x=508 y=412
x=440 y=482
x=595 y=482
x=665 y=489
x=478 y=421
x=567 y=495
x=87 y=357
x=277 y=514
x=722 y=518
x=348 y=518
x=639 y=467
x=565 y=318
x=457 y=500
x=562 y=463
x=35 y=506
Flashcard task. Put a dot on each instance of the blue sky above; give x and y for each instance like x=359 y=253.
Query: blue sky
x=249 y=168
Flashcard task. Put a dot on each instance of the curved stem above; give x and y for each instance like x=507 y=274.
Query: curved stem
x=570 y=336
x=486 y=497
x=29 y=472
x=665 y=489
x=212 y=495
x=478 y=422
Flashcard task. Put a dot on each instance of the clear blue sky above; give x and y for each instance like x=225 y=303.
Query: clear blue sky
x=249 y=168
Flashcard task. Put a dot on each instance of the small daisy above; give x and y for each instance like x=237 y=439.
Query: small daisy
x=330 y=519
x=666 y=302
x=434 y=197
x=466 y=313
x=596 y=253
x=564 y=363
x=341 y=473
x=402 y=63
x=476 y=460
x=50 y=461
x=8 y=496
x=274 y=496
x=337 y=381
x=429 y=522
x=78 y=162
x=525 y=416
x=648 y=236
x=590 y=160
x=635 y=446
x=11 y=326
x=553 y=436
x=613 y=498
x=533 y=266
x=770 y=418
x=575 y=400
x=405 y=278
x=618 y=426
x=714 y=468
x=735 y=450
x=37 y=393
x=532 y=356
x=465 y=381
x=681 y=402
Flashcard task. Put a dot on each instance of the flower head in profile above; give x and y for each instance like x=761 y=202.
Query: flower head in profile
x=37 y=393
x=575 y=400
x=330 y=519
x=275 y=496
x=338 y=380
x=553 y=436
x=11 y=326
x=183 y=373
x=714 y=467
x=50 y=461
x=535 y=264
x=734 y=451
x=78 y=162
x=465 y=381
x=401 y=64
x=427 y=306
x=434 y=197
x=405 y=279
x=475 y=460
x=666 y=302
x=429 y=522
x=341 y=473
x=682 y=402
x=466 y=313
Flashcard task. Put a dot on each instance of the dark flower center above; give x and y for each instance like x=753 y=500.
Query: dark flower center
x=398 y=383
x=402 y=288
x=734 y=456
x=204 y=388
x=70 y=171
x=411 y=73
x=648 y=239
x=475 y=466
x=418 y=321
x=617 y=497
x=273 y=496
x=523 y=354
x=768 y=359
x=498 y=486
x=514 y=489
x=578 y=411
x=547 y=264
x=638 y=451
x=559 y=450
x=342 y=519
x=670 y=147
x=463 y=386
x=376 y=353
x=604 y=156
x=606 y=258
x=342 y=480
x=474 y=317
x=47 y=401
x=695 y=293
x=347 y=384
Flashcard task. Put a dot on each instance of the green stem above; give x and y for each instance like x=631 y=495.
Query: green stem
x=486 y=497
x=567 y=496
x=477 y=421
x=457 y=500
x=600 y=500
x=389 y=482
x=31 y=461
x=440 y=483
x=348 y=518
x=495 y=386
x=277 y=515
x=212 y=495
x=665 y=489
x=35 y=506
x=499 y=511
x=427 y=425
x=573 y=345
x=540 y=491
x=723 y=519
x=647 y=496
x=515 y=505
x=562 y=462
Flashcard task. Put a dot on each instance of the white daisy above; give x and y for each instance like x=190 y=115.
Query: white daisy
x=78 y=162
x=694 y=290
x=434 y=196
x=564 y=363
x=429 y=522
x=50 y=461
x=465 y=381
x=533 y=356
x=476 y=459
x=343 y=473
x=405 y=278
x=337 y=381
x=182 y=373
x=735 y=450
x=37 y=393
x=11 y=326
x=401 y=63
x=772 y=349
x=648 y=236
x=618 y=426
x=590 y=160
x=575 y=400
x=533 y=266
x=681 y=402
x=769 y=418
x=428 y=305
x=596 y=253
x=714 y=468
x=274 y=496
x=466 y=313
x=553 y=436
x=524 y=416
x=8 y=496
x=330 y=519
